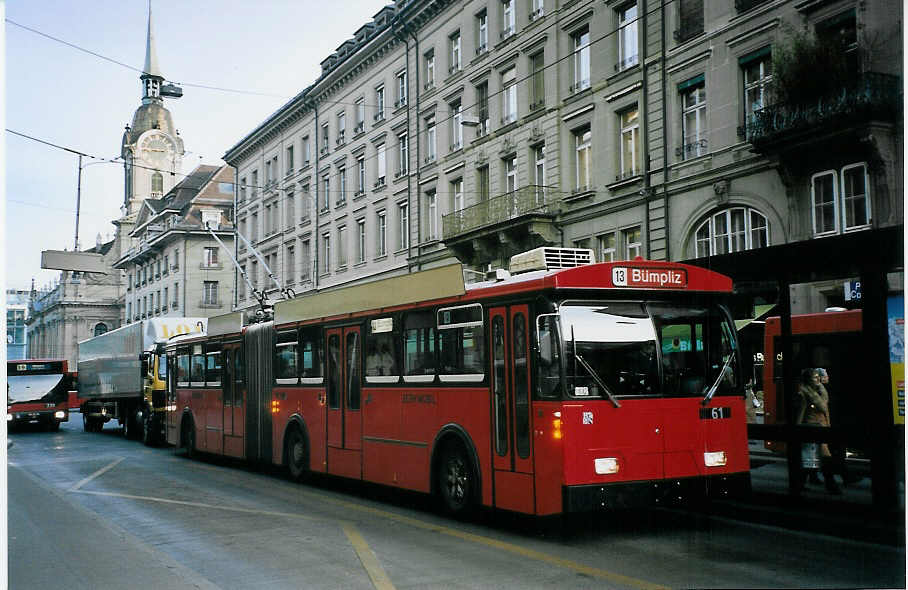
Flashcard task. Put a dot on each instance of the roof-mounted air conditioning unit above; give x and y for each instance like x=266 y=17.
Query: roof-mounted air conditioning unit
x=548 y=258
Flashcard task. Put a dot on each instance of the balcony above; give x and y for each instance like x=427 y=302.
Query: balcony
x=513 y=222
x=782 y=127
x=340 y=139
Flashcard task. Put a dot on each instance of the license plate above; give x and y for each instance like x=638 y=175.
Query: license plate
x=715 y=413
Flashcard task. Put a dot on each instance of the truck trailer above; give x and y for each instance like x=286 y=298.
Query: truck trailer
x=123 y=375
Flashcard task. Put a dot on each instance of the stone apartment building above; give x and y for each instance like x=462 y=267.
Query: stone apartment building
x=475 y=130
x=175 y=268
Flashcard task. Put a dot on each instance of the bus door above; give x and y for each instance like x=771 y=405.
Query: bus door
x=234 y=390
x=344 y=420
x=511 y=428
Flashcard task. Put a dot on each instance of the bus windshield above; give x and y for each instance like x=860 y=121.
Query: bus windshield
x=33 y=388
x=647 y=349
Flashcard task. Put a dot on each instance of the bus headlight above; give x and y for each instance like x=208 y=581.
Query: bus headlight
x=60 y=414
x=715 y=459
x=606 y=465
x=9 y=417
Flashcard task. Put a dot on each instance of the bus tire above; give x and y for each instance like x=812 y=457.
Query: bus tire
x=86 y=422
x=456 y=481
x=187 y=437
x=296 y=454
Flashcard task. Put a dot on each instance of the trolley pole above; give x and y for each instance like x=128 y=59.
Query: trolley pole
x=78 y=203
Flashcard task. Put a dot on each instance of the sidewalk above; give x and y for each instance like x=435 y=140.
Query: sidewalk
x=815 y=510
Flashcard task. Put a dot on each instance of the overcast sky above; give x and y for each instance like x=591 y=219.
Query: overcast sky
x=70 y=98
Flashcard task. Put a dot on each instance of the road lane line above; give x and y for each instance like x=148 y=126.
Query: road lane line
x=367 y=557
x=436 y=528
x=97 y=473
x=200 y=505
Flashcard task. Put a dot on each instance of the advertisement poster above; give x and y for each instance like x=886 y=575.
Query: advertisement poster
x=895 y=314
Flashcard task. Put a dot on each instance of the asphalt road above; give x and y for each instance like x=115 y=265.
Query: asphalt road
x=97 y=511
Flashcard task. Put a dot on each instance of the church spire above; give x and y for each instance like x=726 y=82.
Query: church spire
x=151 y=75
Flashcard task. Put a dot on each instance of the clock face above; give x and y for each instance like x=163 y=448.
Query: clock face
x=158 y=150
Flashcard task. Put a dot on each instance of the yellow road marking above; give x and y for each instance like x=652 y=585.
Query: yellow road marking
x=367 y=557
x=478 y=539
x=97 y=473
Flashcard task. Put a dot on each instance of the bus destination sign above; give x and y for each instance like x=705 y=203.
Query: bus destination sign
x=649 y=278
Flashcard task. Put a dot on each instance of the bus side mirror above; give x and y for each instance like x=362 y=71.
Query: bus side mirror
x=144 y=358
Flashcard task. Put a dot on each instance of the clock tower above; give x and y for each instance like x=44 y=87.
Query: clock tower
x=152 y=151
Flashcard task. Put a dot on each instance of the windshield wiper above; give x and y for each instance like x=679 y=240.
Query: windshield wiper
x=712 y=390
x=598 y=381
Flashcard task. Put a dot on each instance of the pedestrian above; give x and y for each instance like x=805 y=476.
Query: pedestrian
x=813 y=410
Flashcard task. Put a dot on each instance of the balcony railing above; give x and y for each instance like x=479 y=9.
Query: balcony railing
x=523 y=201
x=626 y=63
x=874 y=95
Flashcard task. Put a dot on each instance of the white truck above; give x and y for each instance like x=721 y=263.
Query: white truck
x=123 y=375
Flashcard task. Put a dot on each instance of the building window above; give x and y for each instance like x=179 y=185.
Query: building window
x=307 y=153
x=454 y=43
x=632 y=244
x=510 y=174
x=242 y=197
x=210 y=293
x=402 y=154
x=509 y=96
x=432 y=216
x=630 y=129
x=840 y=200
x=157 y=183
x=341 y=128
x=128 y=312
x=732 y=230
x=382 y=237
x=101 y=328
x=757 y=73
x=482 y=32
x=693 y=119
x=210 y=256
x=255 y=183
x=537 y=9
x=605 y=248
x=291 y=209
x=326 y=253
x=381 y=165
x=582 y=146
x=403 y=216
x=325 y=139
x=341 y=186
x=508 y=22
x=360 y=115
x=306 y=261
x=456 y=126
x=537 y=81
x=402 y=89
x=482 y=184
x=431 y=148
x=361 y=240
x=361 y=175
x=482 y=101
x=627 y=37
x=342 y=246
x=379 y=103
x=690 y=19
x=539 y=172
x=289 y=159
x=581 y=43
x=457 y=195
x=430 y=69
x=326 y=190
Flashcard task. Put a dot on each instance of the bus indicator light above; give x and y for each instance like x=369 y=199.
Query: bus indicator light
x=556 y=426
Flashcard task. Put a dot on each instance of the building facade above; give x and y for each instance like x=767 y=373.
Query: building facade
x=175 y=267
x=475 y=130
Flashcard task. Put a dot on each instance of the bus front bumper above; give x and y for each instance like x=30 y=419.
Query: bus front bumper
x=654 y=493
x=35 y=417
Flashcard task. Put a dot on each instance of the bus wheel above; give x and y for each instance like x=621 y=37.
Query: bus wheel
x=295 y=451
x=86 y=423
x=456 y=481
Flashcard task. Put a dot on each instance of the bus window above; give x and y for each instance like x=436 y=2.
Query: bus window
x=239 y=375
x=213 y=366
x=352 y=371
x=183 y=367
x=381 y=352
x=521 y=387
x=310 y=356
x=286 y=354
x=197 y=370
x=162 y=367
x=419 y=347
x=548 y=357
x=499 y=393
x=460 y=345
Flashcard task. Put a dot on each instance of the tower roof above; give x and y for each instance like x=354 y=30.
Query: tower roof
x=151 y=56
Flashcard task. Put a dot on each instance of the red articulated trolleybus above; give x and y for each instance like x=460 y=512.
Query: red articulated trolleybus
x=549 y=390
